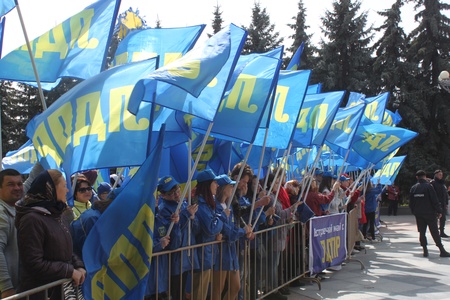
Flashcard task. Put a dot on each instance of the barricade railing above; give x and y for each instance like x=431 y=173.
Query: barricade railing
x=276 y=257
x=44 y=288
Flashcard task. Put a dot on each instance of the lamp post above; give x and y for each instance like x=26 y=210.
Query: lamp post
x=444 y=80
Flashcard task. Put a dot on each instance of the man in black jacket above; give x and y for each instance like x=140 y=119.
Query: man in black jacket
x=426 y=208
x=438 y=184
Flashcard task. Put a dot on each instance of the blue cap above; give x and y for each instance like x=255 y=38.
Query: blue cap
x=327 y=174
x=166 y=183
x=344 y=177
x=224 y=180
x=206 y=175
x=103 y=187
x=318 y=172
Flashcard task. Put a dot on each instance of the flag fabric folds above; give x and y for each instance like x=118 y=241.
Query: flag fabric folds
x=294 y=64
x=169 y=43
x=89 y=127
x=2 y=30
x=289 y=99
x=22 y=159
x=344 y=126
x=316 y=116
x=240 y=112
x=118 y=261
x=75 y=48
x=6 y=6
x=389 y=172
x=191 y=85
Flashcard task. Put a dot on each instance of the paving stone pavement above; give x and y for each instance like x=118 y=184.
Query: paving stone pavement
x=394 y=269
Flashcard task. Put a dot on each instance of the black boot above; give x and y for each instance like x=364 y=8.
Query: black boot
x=443 y=234
x=443 y=252
x=425 y=251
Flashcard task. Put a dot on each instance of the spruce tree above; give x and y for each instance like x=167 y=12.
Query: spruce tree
x=345 y=55
x=217 y=21
x=425 y=107
x=299 y=36
x=261 y=33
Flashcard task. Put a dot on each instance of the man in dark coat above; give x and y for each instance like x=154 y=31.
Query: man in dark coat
x=427 y=209
x=438 y=184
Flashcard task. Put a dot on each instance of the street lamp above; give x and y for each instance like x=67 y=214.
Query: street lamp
x=444 y=80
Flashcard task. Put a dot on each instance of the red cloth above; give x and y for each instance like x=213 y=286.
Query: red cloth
x=284 y=198
x=314 y=200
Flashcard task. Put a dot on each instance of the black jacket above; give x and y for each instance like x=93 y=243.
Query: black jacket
x=441 y=191
x=423 y=200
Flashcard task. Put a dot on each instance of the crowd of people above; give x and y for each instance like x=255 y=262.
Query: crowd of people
x=229 y=222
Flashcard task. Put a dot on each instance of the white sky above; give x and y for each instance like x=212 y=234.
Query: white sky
x=42 y=15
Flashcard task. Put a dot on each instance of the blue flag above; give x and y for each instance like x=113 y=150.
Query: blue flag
x=389 y=172
x=2 y=27
x=169 y=43
x=6 y=6
x=391 y=118
x=118 y=261
x=294 y=64
x=375 y=107
x=75 y=48
x=376 y=141
x=195 y=83
x=22 y=159
x=316 y=116
x=240 y=112
x=89 y=127
x=344 y=126
x=314 y=89
x=289 y=95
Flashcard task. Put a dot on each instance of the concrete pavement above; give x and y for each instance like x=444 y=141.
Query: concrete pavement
x=394 y=269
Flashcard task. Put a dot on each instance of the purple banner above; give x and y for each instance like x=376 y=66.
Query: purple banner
x=327 y=242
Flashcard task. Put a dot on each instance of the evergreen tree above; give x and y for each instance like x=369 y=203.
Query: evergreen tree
x=345 y=59
x=425 y=107
x=217 y=21
x=261 y=34
x=390 y=68
x=307 y=60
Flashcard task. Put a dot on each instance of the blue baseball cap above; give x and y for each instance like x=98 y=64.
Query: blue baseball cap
x=327 y=174
x=344 y=177
x=318 y=172
x=103 y=187
x=224 y=180
x=206 y=175
x=166 y=183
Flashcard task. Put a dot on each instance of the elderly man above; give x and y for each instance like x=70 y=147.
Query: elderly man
x=11 y=190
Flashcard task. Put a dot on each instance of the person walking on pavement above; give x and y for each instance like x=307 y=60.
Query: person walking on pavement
x=438 y=184
x=425 y=206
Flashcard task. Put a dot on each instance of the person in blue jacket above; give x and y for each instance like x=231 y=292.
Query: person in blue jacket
x=210 y=228
x=158 y=279
x=181 y=261
x=372 y=195
x=226 y=266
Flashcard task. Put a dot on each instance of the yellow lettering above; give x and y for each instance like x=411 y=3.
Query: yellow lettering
x=58 y=45
x=190 y=69
x=60 y=123
x=79 y=29
x=44 y=144
x=118 y=102
x=316 y=119
x=387 y=144
x=241 y=94
x=89 y=119
x=370 y=111
x=280 y=101
x=102 y=283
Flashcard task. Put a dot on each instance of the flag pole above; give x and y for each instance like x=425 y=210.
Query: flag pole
x=36 y=74
x=191 y=174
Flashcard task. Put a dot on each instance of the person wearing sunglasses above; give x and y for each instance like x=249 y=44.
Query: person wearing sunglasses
x=81 y=196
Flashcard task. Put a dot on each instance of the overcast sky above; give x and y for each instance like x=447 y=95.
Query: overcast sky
x=42 y=15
